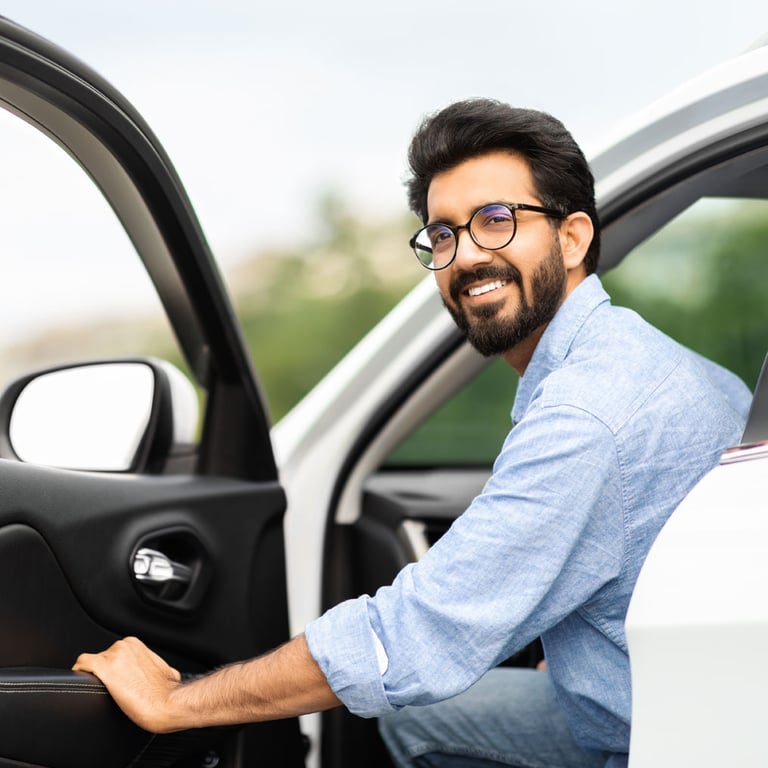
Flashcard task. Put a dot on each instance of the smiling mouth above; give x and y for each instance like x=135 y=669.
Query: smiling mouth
x=487 y=288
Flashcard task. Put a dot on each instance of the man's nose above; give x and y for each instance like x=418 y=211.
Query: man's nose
x=468 y=252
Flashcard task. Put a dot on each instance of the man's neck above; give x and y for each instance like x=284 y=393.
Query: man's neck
x=520 y=355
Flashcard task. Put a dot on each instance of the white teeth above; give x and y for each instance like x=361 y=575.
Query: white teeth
x=495 y=285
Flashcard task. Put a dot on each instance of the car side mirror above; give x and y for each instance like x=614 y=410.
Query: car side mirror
x=113 y=416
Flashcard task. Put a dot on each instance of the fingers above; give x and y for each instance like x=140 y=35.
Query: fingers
x=138 y=679
x=84 y=663
x=125 y=659
x=90 y=662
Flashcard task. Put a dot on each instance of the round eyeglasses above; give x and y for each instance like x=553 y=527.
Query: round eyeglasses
x=491 y=227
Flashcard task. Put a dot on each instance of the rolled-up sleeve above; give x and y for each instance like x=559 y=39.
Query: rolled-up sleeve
x=342 y=643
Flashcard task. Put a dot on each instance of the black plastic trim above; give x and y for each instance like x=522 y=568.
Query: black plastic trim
x=691 y=165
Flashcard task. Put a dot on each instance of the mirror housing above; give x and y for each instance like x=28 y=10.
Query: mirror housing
x=109 y=416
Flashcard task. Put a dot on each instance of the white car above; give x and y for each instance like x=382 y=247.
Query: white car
x=215 y=540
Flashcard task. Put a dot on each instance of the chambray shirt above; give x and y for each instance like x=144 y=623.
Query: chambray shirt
x=613 y=423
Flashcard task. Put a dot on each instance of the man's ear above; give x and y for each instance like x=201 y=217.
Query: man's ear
x=576 y=233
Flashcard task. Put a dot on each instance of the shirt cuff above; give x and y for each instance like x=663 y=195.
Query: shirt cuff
x=342 y=643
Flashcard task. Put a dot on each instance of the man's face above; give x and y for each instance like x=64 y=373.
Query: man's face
x=497 y=298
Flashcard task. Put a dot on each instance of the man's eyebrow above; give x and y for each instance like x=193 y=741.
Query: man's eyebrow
x=450 y=220
x=445 y=221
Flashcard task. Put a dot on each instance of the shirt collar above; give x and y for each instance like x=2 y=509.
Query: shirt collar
x=556 y=340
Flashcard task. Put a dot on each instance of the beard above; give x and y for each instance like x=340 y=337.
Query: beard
x=486 y=328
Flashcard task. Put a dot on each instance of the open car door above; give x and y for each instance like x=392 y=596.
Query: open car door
x=178 y=537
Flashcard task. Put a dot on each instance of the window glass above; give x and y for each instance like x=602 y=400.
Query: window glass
x=74 y=288
x=469 y=429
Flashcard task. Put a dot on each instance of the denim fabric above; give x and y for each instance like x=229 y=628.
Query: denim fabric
x=509 y=718
x=614 y=423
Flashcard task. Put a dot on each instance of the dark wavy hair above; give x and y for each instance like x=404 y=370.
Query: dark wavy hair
x=474 y=127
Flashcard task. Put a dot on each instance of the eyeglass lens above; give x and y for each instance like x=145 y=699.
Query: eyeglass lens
x=491 y=227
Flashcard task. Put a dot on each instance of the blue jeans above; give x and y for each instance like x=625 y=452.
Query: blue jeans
x=509 y=718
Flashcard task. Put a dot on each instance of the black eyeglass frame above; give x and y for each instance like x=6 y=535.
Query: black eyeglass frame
x=551 y=212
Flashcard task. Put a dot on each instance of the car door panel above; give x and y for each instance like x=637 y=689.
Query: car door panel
x=37 y=595
x=63 y=719
x=56 y=717
x=66 y=544
x=88 y=527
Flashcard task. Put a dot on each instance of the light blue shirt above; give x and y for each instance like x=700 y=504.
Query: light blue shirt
x=614 y=422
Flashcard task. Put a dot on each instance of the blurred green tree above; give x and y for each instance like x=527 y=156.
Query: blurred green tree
x=303 y=308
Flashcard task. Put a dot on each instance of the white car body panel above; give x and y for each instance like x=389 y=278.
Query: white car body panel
x=727 y=99
x=697 y=629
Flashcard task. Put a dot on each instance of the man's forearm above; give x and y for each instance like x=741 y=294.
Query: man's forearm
x=283 y=683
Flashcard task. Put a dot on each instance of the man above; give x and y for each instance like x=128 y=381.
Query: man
x=613 y=424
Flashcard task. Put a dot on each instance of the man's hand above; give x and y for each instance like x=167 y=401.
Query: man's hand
x=139 y=680
x=284 y=683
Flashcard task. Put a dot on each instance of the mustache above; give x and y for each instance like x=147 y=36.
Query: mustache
x=463 y=279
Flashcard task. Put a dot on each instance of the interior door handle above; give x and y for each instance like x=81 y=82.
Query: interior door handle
x=150 y=566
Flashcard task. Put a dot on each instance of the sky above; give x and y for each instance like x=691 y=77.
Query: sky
x=263 y=107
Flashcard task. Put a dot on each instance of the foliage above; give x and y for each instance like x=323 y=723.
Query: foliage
x=303 y=309
x=469 y=429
